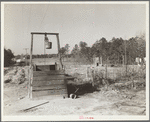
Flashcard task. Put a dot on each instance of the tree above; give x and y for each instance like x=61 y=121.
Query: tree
x=85 y=51
x=117 y=50
x=67 y=50
x=75 y=51
x=132 y=50
x=62 y=52
x=83 y=46
x=141 y=50
x=101 y=48
x=8 y=55
x=89 y=54
x=18 y=56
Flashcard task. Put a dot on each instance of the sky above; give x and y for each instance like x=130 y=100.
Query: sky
x=73 y=22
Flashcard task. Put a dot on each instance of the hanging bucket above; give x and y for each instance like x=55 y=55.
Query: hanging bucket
x=48 y=45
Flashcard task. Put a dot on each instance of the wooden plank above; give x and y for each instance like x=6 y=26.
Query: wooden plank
x=47 y=73
x=49 y=87
x=51 y=77
x=35 y=106
x=48 y=93
x=44 y=83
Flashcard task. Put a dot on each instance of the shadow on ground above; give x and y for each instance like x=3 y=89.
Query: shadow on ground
x=80 y=89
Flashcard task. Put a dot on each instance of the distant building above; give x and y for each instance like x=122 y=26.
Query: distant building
x=97 y=61
x=139 y=61
x=18 y=60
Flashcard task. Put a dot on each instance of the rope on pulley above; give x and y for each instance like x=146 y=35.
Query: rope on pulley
x=47 y=45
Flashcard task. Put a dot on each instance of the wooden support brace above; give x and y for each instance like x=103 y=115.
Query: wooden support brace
x=58 y=44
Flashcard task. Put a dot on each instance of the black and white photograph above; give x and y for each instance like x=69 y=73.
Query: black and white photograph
x=75 y=60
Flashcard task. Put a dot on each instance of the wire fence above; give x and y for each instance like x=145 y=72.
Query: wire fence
x=88 y=72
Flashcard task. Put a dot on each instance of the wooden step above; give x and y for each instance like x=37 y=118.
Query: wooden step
x=48 y=78
x=49 y=87
x=45 y=83
x=69 y=77
x=49 y=92
x=47 y=73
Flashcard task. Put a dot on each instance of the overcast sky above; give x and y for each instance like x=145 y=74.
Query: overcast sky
x=73 y=22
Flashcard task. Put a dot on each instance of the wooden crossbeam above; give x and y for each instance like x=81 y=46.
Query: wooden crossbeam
x=45 y=33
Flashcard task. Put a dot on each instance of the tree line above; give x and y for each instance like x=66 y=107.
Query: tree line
x=112 y=51
x=36 y=56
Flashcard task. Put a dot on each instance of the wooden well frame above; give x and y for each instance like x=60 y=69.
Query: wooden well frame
x=31 y=68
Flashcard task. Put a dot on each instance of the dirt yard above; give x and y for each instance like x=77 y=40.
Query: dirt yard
x=104 y=102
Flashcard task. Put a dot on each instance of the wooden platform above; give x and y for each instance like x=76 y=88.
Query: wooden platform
x=45 y=83
x=52 y=67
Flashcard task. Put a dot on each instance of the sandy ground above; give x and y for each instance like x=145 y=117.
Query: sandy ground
x=96 y=103
x=109 y=102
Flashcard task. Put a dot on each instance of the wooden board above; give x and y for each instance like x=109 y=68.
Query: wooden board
x=47 y=73
x=45 y=83
x=50 y=77
x=49 y=87
x=49 y=92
